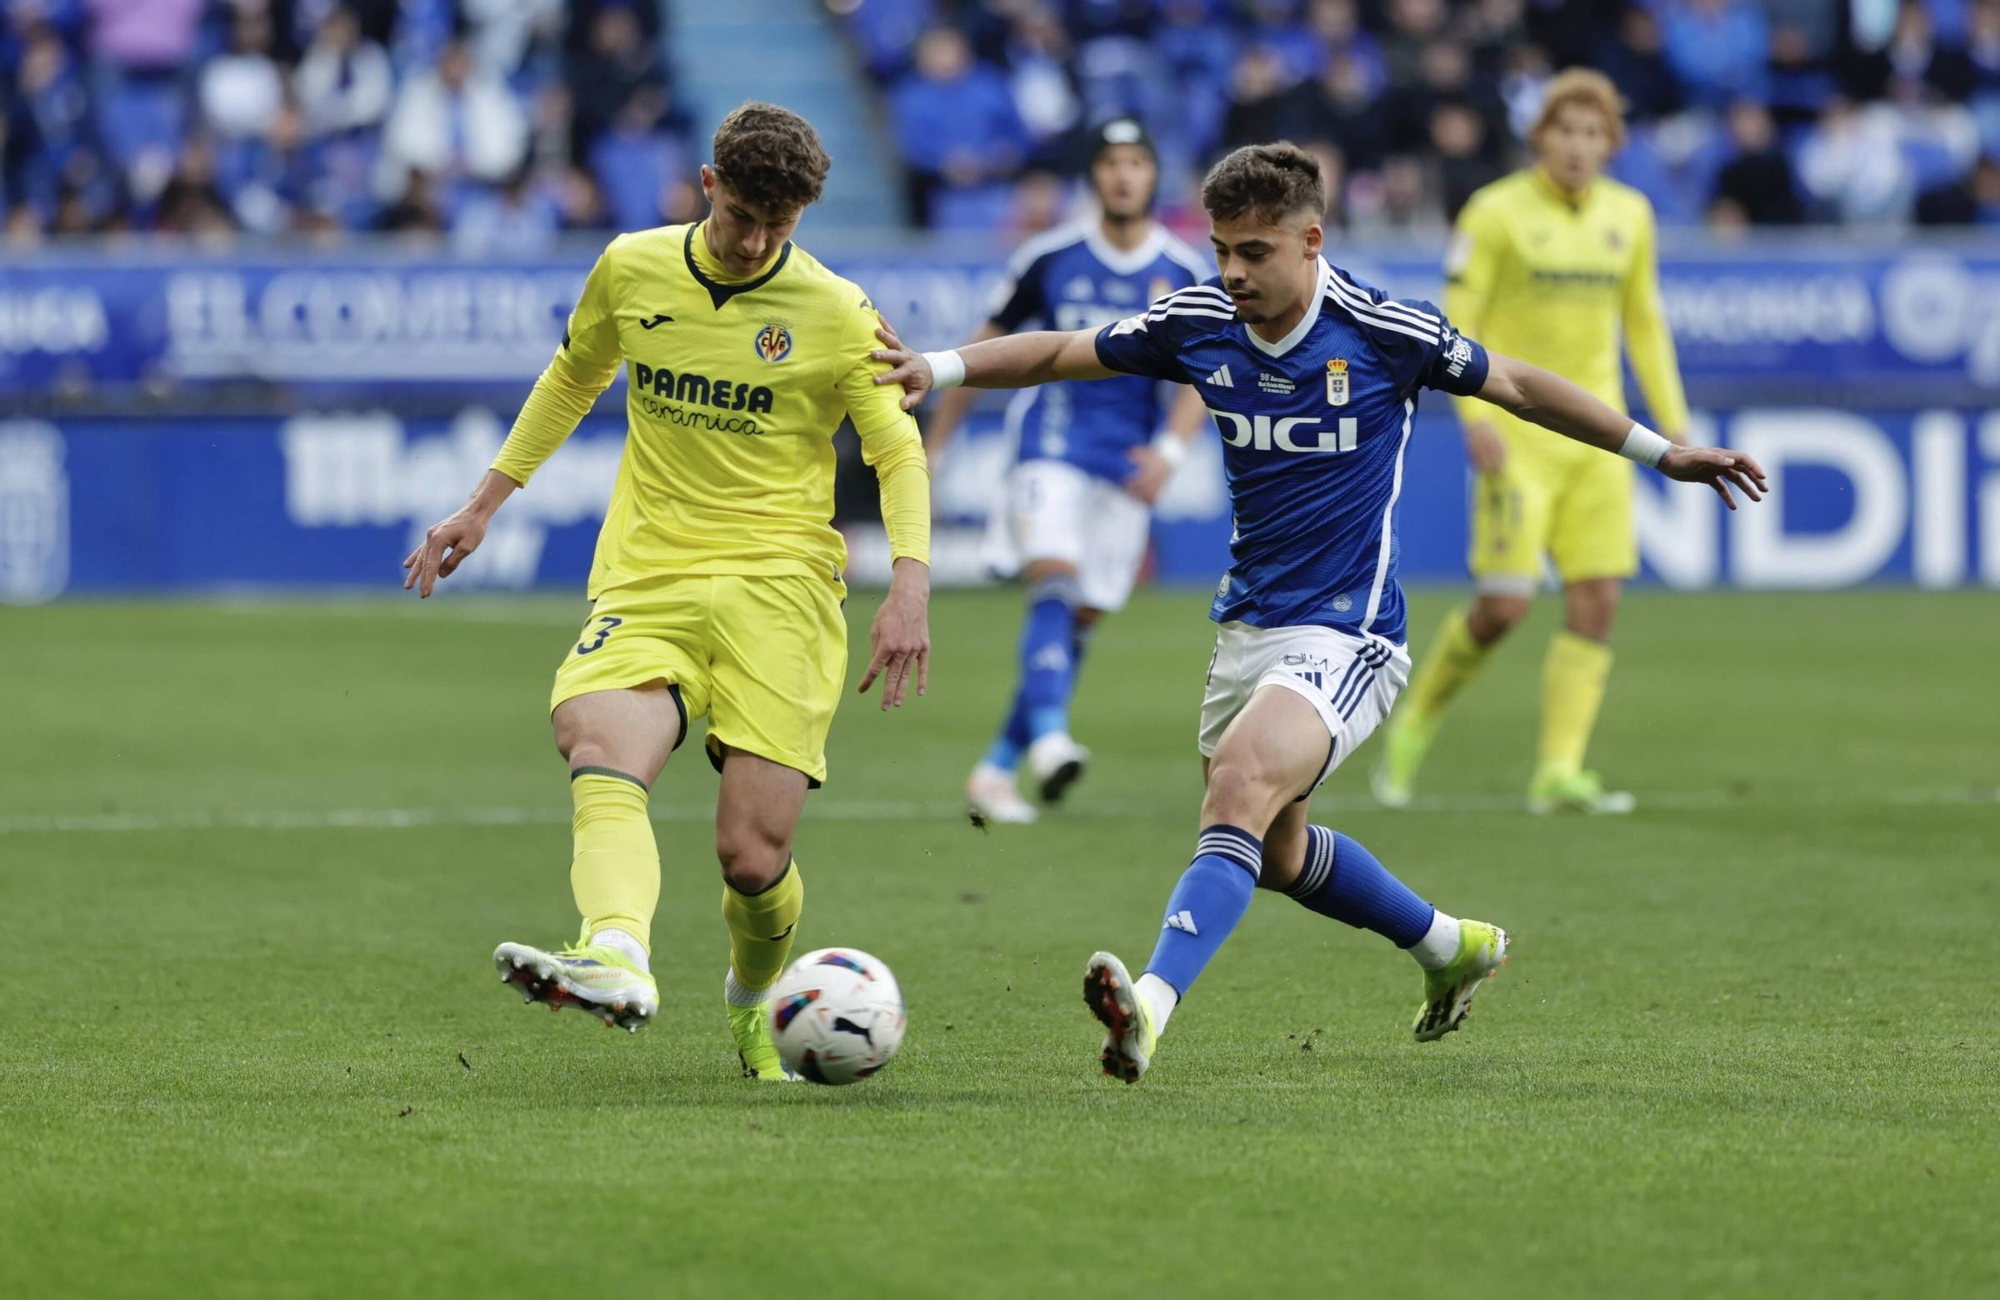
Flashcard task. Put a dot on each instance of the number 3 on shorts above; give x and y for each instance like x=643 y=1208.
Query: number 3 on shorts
x=606 y=625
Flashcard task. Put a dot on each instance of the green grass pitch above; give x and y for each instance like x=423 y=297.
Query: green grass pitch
x=253 y=859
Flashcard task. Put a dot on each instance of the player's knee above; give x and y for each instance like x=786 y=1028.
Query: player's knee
x=1493 y=617
x=752 y=857
x=579 y=748
x=1241 y=792
x=1593 y=608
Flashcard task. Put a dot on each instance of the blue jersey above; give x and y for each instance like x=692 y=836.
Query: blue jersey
x=1071 y=279
x=1314 y=427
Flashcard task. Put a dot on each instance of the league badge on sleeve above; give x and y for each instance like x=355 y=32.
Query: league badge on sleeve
x=1336 y=382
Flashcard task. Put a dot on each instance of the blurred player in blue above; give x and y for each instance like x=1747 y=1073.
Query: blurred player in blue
x=1313 y=378
x=1092 y=458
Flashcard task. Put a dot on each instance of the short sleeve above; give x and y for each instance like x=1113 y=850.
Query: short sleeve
x=1457 y=366
x=1138 y=345
x=1419 y=346
x=1151 y=343
x=1019 y=298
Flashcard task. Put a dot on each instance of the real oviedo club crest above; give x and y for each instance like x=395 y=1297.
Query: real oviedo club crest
x=1336 y=382
x=774 y=343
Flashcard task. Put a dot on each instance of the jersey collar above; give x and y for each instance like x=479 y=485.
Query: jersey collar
x=1116 y=261
x=1557 y=194
x=1306 y=322
x=719 y=293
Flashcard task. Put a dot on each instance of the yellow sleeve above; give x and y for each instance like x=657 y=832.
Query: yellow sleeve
x=1472 y=264
x=583 y=367
x=889 y=441
x=1647 y=339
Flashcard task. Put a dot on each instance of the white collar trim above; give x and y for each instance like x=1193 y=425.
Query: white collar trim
x=1306 y=322
x=1117 y=261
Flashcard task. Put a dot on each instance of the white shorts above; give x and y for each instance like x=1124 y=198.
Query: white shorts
x=1055 y=511
x=1352 y=680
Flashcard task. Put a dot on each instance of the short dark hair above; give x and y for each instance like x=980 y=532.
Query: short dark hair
x=771 y=157
x=1270 y=181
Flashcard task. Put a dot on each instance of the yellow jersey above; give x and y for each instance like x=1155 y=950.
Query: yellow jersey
x=1540 y=276
x=733 y=394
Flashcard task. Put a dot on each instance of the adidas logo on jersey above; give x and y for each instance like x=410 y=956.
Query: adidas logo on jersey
x=1221 y=379
x=1182 y=920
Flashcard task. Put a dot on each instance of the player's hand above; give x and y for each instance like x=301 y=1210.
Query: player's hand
x=1486 y=448
x=906 y=367
x=444 y=548
x=901 y=636
x=1150 y=472
x=1719 y=468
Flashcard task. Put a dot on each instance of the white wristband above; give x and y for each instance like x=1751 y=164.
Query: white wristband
x=947 y=369
x=1644 y=446
x=1170 y=448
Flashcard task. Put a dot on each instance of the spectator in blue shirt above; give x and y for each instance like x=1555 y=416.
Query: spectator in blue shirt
x=955 y=122
x=1719 y=48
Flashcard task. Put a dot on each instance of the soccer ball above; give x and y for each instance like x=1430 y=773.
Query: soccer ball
x=837 y=1015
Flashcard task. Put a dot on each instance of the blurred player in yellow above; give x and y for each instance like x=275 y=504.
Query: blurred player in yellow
x=717 y=584
x=1550 y=265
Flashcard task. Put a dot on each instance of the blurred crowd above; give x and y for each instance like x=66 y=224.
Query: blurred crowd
x=494 y=124
x=499 y=124
x=1743 y=112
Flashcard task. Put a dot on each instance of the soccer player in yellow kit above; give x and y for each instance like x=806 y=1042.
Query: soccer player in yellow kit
x=717 y=582
x=1546 y=266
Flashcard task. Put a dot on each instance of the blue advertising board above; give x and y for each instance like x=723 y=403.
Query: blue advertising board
x=106 y=505
x=1881 y=327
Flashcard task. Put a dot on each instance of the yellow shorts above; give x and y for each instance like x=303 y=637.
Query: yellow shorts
x=1577 y=509
x=763 y=656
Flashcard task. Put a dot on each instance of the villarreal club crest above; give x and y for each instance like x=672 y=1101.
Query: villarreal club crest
x=1336 y=382
x=774 y=343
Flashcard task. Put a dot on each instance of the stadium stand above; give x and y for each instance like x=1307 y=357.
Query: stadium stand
x=1747 y=112
x=503 y=123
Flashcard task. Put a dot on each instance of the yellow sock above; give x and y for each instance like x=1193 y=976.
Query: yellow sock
x=1453 y=660
x=760 y=934
x=1573 y=676
x=615 y=873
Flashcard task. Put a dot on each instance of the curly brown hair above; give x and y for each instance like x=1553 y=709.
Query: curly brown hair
x=771 y=157
x=1270 y=181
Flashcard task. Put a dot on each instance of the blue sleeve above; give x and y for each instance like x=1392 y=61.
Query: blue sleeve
x=1147 y=344
x=1413 y=337
x=1019 y=298
x=1457 y=366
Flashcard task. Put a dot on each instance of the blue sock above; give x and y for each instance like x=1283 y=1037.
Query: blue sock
x=1343 y=880
x=1079 y=645
x=1048 y=658
x=1205 y=906
x=1007 y=747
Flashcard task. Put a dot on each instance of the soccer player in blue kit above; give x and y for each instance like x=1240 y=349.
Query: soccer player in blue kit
x=1313 y=379
x=1091 y=459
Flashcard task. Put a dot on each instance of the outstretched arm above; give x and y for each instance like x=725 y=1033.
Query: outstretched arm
x=951 y=410
x=1017 y=361
x=1559 y=405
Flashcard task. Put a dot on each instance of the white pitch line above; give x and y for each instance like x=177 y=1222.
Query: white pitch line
x=392 y=819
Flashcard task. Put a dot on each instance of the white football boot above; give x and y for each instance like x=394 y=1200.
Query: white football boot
x=992 y=795
x=1056 y=762
x=1129 y=1037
